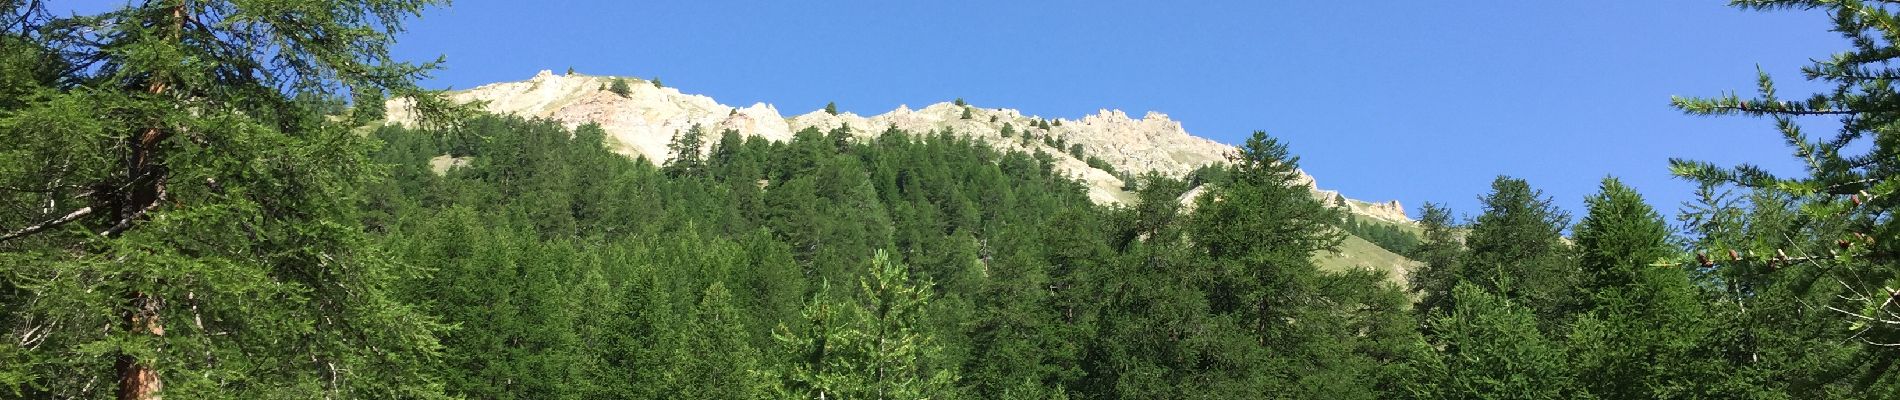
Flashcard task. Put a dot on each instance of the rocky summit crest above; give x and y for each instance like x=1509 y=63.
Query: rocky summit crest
x=641 y=121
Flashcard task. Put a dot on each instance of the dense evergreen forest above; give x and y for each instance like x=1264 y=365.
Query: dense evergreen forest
x=191 y=208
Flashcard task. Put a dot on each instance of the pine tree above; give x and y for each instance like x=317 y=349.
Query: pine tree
x=966 y=113
x=189 y=172
x=831 y=108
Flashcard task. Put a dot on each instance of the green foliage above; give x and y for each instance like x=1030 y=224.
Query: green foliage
x=1846 y=187
x=1388 y=236
x=831 y=108
x=194 y=195
x=1803 y=264
x=959 y=102
x=1645 y=326
x=656 y=82
x=367 y=106
x=687 y=149
x=873 y=346
x=1492 y=349
x=1516 y=250
x=714 y=359
x=1439 y=255
x=1097 y=163
x=620 y=87
x=286 y=254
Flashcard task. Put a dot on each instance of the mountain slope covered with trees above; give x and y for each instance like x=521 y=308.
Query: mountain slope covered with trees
x=191 y=207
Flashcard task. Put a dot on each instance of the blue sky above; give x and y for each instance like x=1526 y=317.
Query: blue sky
x=1413 y=101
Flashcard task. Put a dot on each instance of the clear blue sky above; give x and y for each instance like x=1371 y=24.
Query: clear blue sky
x=1414 y=101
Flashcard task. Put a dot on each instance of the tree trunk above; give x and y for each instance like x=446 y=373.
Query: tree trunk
x=138 y=379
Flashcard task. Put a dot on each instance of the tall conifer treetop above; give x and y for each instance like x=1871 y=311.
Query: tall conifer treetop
x=197 y=186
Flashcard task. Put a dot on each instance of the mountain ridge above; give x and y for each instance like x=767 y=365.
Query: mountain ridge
x=643 y=119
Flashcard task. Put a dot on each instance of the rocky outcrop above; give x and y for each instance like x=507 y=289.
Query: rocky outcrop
x=643 y=121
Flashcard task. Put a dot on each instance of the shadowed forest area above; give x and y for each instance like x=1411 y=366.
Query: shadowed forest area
x=200 y=199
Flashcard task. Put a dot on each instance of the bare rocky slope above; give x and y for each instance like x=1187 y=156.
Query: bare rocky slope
x=643 y=121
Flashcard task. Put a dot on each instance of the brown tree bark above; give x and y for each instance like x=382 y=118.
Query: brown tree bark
x=139 y=379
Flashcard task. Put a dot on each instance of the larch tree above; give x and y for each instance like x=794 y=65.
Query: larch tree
x=1491 y=348
x=713 y=359
x=1438 y=255
x=1266 y=226
x=1644 y=320
x=687 y=151
x=1842 y=244
x=1807 y=262
x=871 y=346
x=1516 y=250
x=171 y=174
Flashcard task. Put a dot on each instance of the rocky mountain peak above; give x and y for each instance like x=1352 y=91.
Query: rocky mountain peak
x=645 y=119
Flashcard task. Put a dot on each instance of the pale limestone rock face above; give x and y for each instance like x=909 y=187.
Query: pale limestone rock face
x=639 y=124
x=646 y=120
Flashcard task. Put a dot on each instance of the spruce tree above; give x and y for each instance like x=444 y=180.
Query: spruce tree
x=199 y=233
x=831 y=108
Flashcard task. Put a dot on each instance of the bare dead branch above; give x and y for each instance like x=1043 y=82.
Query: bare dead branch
x=42 y=227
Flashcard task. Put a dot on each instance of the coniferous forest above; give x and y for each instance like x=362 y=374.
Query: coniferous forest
x=198 y=200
